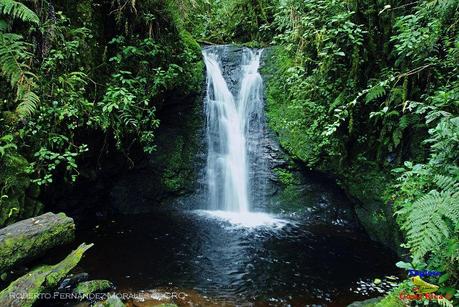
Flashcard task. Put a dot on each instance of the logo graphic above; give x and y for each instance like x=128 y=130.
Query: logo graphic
x=423 y=273
x=422 y=290
x=422 y=286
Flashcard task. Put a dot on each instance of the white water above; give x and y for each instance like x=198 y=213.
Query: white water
x=233 y=123
x=246 y=219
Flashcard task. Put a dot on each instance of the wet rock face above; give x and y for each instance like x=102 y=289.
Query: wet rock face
x=112 y=301
x=174 y=297
x=171 y=171
x=230 y=59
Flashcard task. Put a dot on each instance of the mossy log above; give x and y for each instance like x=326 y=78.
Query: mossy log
x=24 y=291
x=32 y=237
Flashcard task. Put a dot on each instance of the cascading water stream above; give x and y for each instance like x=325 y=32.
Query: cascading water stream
x=233 y=127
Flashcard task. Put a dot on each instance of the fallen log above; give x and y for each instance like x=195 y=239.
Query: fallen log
x=32 y=237
x=24 y=291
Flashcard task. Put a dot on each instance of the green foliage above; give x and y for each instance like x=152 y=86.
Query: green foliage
x=224 y=21
x=285 y=176
x=18 y=10
x=392 y=299
x=368 y=90
x=307 y=81
x=126 y=103
x=14 y=56
x=14 y=181
x=75 y=84
x=428 y=194
x=432 y=219
x=358 y=109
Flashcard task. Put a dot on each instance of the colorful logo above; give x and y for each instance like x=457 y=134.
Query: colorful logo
x=422 y=290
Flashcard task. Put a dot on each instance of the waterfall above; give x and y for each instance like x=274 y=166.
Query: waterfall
x=234 y=123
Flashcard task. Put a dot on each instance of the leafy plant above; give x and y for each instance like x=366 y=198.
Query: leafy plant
x=15 y=57
x=18 y=10
x=432 y=219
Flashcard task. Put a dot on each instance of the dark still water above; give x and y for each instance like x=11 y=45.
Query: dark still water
x=254 y=259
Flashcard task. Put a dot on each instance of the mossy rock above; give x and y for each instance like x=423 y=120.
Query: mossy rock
x=24 y=291
x=366 y=303
x=366 y=184
x=93 y=286
x=112 y=301
x=30 y=238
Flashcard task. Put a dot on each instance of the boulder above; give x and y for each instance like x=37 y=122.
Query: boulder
x=32 y=237
x=24 y=291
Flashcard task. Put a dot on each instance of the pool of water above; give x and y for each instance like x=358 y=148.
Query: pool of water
x=256 y=257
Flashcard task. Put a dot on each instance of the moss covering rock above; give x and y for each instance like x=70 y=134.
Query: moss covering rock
x=391 y=300
x=112 y=301
x=24 y=291
x=29 y=238
x=366 y=185
x=367 y=303
x=93 y=286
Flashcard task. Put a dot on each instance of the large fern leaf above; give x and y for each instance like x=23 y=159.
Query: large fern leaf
x=431 y=219
x=18 y=10
x=14 y=55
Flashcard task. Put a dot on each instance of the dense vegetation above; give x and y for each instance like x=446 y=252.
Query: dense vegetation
x=365 y=90
x=76 y=76
x=373 y=97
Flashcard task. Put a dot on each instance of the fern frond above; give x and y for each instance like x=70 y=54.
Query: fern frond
x=446 y=182
x=28 y=104
x=14 y=52
x=375 y=92
x=431 y=219
x=14 y=55
x=18 y=10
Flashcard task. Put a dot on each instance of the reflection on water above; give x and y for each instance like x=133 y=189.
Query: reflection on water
x=272 y=258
